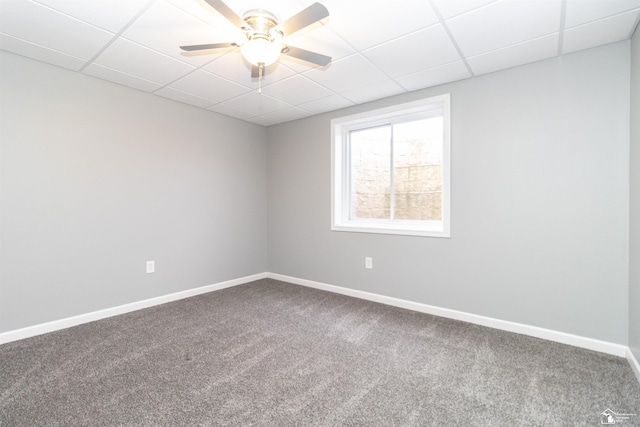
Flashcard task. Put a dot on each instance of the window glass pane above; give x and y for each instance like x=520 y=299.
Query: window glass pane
x=391 y=170
x=417 y=171
x=370 y=152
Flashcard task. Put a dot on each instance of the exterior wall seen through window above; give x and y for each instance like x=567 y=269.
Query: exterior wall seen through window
x=416 y=165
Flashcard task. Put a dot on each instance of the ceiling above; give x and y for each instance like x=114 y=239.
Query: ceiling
x=379 y=48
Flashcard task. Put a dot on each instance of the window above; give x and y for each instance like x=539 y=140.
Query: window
x=391 y=170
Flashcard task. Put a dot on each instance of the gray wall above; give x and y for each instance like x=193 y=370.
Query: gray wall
x=634 y=235
x=540 y=201
x=97 y=178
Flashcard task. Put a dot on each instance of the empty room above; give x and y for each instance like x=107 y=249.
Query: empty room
x=288 y=212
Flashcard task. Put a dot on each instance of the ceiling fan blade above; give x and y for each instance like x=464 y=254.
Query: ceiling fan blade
x=207 y=46
x=226 y=11
x=314 y=13
x=255 y=71
x=305 y=55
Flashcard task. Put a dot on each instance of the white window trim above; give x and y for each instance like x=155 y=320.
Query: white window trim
x=339 y=170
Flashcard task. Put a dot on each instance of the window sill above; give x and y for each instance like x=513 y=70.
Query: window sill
x=402 y=230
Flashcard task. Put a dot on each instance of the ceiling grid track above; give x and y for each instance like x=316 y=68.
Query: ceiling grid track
x=451 y=38
x=375 y=52
x=563 y=19
x=118 y=35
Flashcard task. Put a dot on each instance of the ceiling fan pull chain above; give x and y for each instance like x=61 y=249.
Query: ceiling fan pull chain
x=260 y=68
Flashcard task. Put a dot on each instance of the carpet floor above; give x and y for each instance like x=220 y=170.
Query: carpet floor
x=272 y=353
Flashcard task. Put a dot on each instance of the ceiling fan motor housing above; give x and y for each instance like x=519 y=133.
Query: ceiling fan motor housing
x=262 y=24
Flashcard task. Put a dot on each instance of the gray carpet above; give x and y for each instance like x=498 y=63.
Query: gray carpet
x=272 y=353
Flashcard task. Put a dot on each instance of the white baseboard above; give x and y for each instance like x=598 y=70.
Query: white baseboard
x=635 y=366
x=534 y=331
x=56 y=325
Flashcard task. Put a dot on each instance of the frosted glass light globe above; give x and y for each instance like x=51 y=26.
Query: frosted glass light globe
x=260 y=51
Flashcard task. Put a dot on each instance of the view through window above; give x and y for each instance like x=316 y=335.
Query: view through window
x=396 y=171
x=391 y=170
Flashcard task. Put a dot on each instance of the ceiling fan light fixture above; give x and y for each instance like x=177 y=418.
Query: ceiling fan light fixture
x=263 y=35
x=260 y=51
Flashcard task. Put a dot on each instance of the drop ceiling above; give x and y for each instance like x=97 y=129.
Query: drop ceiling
x=379 y=48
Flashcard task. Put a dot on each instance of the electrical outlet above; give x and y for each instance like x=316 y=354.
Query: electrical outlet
x=151 y=266
x=368 y=263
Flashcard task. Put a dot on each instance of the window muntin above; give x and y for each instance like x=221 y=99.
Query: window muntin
x=391 y=170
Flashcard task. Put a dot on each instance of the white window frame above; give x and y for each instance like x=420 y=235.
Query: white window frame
x=340 y=168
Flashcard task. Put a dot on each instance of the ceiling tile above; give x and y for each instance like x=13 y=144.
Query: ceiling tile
x=321 y=40
x=40 y=53
x=282 y=9
x=347 y=74
x=139 y=61
x=298 y=65
x=199 y=58
x=450 y=8
x=330 y=103
x=256 y=104
x=41 y=25
x=264 y=121
x=512 y=56
x=281 y=116
x=600 y=32
x=110 y=15
x=364 y=24
x=234 y=67
x=296 y=90
x=230 y=111
x=209 y=86
x=418 y=51
x=183 y=97
x=504 y=23
x=205 y=13
x=583 y=11
x=435 y=76
x=120 y=78
x=379 y=48
x=380 y=90
x=151 y=30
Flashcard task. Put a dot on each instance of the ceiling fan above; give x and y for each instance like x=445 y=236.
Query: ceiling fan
x=264 y=35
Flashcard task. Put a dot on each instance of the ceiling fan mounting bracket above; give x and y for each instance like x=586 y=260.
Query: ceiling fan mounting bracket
x=261 y=24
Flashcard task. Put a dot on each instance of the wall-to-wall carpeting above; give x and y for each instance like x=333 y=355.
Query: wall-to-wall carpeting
x=272 y=353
